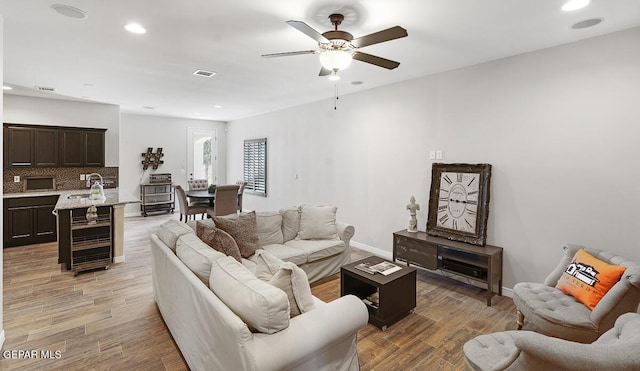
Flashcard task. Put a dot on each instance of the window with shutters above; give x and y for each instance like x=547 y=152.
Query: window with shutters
x=255 y=166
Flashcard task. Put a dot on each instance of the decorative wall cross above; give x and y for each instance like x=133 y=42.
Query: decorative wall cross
x=152 y=159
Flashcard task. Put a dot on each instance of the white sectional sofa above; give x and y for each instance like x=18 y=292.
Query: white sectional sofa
x=212 y=336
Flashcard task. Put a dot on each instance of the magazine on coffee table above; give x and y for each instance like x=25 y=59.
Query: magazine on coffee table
x=384 y=268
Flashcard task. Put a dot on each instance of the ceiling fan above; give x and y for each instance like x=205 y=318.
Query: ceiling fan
x=338 y=48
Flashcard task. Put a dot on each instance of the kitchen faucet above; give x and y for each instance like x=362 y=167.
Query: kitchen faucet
x=89 y=179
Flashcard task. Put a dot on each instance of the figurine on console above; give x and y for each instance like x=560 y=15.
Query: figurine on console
x=413 y=221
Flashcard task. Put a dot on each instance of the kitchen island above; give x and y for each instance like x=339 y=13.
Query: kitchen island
x=95 y=240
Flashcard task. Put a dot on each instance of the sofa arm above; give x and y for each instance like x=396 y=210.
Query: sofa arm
x=345 y=232
x=311 y=335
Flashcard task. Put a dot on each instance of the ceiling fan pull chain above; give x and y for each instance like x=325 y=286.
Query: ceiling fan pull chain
x=335 y=100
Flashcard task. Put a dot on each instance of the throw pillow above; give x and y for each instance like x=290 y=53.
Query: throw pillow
x=318 y=223
x=290 y=222
x=266 y=265
x=588 y=278
x=243 y=229
x=171 y=230
x=261 y=306
x=269 y=226
x=294 y=282
x=219 y=240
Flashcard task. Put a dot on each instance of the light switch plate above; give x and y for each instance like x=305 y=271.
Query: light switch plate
x=16 y=178
x=432 y=155
x=438 y=155
x=82 y=177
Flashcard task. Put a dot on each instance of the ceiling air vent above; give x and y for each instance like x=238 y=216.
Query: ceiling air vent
x=204 y=73
x=44 y=88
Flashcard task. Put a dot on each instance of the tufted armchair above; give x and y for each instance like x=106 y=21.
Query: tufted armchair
x=550 y=311
x=616 y=349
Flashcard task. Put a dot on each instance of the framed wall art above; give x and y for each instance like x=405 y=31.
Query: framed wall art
x=459 y=202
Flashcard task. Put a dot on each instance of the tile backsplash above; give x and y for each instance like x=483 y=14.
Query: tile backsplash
x=66 y=178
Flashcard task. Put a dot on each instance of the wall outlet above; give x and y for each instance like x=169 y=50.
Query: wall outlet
x=16 y=178
x=82 y=177
x=438 y=155
x=432 y=155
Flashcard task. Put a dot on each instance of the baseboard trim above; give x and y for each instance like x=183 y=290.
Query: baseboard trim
x=118 y=259
x=389 y=255
x=374 y=250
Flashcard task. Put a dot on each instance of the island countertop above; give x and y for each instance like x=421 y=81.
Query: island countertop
x=113 y=197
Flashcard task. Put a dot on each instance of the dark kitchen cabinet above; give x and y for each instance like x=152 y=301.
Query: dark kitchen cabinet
x=29 y=220
x=45 y=151
x=82 y=147
x=30 y=146
x=18 y=146
x=52 y=146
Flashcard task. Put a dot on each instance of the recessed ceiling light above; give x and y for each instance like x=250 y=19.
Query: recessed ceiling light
x=135 y=28
x=69 y=11
x=5 y=87
x=217 y=106
x=148 y=107
x=203 y=73
x=197 y=114
x=356 y=83
x=575 y=5
x=587 y=23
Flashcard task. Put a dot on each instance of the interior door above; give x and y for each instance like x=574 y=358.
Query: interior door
x=202 y=154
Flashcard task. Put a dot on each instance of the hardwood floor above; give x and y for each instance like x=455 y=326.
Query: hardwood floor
x=108 y=319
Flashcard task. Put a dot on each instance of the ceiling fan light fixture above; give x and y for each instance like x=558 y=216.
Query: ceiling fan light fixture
x=335 y=60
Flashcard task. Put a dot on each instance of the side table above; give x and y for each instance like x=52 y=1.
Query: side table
x=396 y=292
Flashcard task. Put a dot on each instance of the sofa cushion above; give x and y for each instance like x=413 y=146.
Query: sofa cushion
x=243 y=229
x=218 y=240
x=317 y=222
x=290 y=222
x=196 y=255
x=170 y=231
x=588 y=278
x=317 y=249
x=286 y=253
x=263 y=307
x=269 y=225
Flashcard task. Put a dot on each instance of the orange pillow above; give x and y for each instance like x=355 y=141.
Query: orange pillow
x=588 y=279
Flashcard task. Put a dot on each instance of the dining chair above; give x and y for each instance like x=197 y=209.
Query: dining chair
x=242 y=184
x=198 y=184
x=187 y=209
x=226 y=201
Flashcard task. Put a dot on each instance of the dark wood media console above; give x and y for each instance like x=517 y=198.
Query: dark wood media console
x=479 y=263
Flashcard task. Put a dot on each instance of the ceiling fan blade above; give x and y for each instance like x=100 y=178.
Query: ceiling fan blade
x=379 y=37
x=286 y=54
x=378 y=61
x=325 y=72
x=307 y=30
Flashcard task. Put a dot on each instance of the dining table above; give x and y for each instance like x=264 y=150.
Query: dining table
x=202 y=194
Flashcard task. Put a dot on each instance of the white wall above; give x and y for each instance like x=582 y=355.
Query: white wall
x=57 y=112
x=560 y=127
x=138 y=132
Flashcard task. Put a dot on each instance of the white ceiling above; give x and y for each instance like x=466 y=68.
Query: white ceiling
x=95 y=59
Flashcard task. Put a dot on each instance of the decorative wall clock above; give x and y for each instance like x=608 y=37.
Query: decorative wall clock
x=459 y=202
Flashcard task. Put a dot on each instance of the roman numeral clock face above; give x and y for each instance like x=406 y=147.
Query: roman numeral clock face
x=458 y=201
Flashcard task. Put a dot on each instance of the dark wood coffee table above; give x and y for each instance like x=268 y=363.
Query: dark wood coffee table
x=396 y=292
